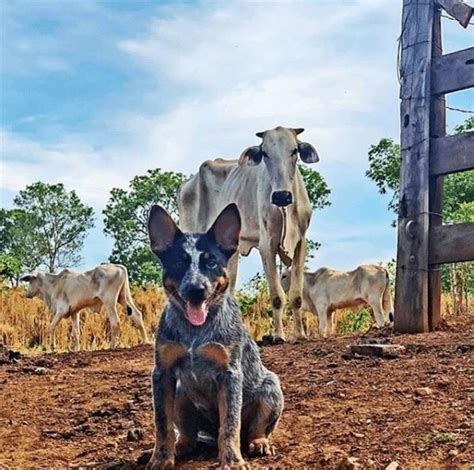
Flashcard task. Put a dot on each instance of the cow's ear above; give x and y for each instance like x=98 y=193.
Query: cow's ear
x=162 y=230
x=298 y=130
x=307 y=152
x=27 y=277
x=251 y=155
x=226 y=230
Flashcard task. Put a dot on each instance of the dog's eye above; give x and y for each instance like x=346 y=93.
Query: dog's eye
x=210 y=264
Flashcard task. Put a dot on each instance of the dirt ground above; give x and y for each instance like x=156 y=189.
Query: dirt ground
x=93 y=409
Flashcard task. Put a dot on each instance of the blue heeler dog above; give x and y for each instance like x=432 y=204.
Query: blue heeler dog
x=208 y=375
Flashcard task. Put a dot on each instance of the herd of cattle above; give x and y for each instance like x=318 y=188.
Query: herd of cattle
x=269 y=191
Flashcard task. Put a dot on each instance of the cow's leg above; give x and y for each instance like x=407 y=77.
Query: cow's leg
x=277 y=293
x=137 y=319
x=322 y=308
x=52 y=329
x=75 y=332
x=232 y=268
x=376 y=303
x=126 y=301
x=114 y=324
x=332 y=322
x=296 y=289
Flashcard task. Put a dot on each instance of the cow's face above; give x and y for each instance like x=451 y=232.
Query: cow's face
x=34 y=284
x=194 y=264
x=279 y=151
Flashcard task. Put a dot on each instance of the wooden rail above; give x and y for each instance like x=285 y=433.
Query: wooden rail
x=452 y=72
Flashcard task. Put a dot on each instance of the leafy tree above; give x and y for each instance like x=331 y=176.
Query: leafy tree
x=318 y=193
x=17 y=239
x=384 y=170
x=317 y=188
x=47 y=228
x=125 y=219
x=10 y=267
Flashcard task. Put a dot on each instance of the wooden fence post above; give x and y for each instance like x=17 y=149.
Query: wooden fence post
x=437 y=129
x=411 y=290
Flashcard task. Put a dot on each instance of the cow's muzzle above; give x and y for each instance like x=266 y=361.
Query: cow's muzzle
x=282 y=198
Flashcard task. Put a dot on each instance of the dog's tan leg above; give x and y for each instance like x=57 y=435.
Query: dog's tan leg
x=229 y=399
x=164 y=389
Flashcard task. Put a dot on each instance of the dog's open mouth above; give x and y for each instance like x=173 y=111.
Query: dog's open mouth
x=196 y=313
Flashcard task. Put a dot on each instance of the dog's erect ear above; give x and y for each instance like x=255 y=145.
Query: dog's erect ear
x=27 y=277
x=162 y=230
x=307 y=152
x=226 y=230
x=251 y=155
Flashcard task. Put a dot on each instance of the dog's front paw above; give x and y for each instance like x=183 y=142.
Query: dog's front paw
x=241 y=465
x=158 y=463
x=261 y=447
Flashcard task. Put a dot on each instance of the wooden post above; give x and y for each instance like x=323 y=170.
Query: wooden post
x=411 y=290
x=437 y=130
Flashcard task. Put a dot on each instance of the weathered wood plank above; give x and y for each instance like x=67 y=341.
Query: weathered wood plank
x=458 y=10
x=436 y=182
x=452 y=154
x=411 y=292
x=452 y=243
x=453 y=72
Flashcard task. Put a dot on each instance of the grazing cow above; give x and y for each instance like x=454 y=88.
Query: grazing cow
x=68 y=292
x=269 y=191
x=327 y=290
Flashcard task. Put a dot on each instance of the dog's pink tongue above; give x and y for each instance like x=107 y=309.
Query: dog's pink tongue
x=196 y=313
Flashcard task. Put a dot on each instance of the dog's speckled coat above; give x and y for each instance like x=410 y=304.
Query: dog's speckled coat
x=207 y=378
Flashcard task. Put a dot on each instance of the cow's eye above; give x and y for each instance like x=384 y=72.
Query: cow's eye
x=210 y=264
x=264 y=154
x=294 y=153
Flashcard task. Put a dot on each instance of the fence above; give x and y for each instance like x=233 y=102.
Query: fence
x=424 y=243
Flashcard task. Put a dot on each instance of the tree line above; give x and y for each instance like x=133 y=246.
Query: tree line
x=48 y=225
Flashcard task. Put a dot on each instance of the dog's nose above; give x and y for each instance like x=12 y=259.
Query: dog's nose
x=282 y=198
x=195 y=292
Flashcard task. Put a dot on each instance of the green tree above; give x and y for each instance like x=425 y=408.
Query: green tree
x=47 y=227
x=125 y=219
x=384 y=170
x=316 y=186
x=10 y=268
x=17 y=237
x=318 y=193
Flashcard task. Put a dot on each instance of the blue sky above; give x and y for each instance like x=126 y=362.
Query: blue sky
x=94 y=93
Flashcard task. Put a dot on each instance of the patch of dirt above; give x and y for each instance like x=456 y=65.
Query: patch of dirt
x=93 y=409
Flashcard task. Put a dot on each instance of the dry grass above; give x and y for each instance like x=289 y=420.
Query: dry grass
x=24 y=323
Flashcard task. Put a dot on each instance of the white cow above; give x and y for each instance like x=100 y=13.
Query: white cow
x=327 y=290
x=269 y=191
x=68 y=292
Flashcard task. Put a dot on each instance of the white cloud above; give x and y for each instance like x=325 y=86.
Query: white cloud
x=219 y=72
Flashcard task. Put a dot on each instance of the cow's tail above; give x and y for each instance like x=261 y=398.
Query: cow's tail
x=126 y=295
x=387 y=302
